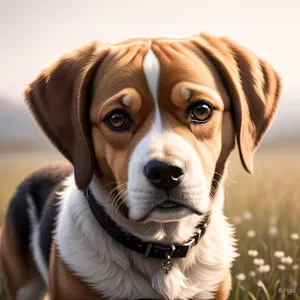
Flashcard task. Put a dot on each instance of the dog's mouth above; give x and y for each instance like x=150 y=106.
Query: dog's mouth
x=170 y=210
x=168 y=204
x=171 y=204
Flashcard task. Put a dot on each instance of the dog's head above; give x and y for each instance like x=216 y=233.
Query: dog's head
x=156 y=117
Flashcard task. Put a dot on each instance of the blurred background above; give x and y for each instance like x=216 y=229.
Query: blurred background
x=264 y=207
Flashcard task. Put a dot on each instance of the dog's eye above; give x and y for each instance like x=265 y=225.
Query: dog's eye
x=201 y=112
x=117 y=120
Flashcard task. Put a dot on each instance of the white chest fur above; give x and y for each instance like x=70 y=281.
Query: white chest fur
x=119 y=273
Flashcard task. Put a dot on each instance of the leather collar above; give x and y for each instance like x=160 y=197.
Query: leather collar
x=154 y=250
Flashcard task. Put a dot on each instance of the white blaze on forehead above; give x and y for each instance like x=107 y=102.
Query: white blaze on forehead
x=151 y=69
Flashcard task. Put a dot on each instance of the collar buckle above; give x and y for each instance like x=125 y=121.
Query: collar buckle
x=186 y=247
x=173 y=249
x=169 y=249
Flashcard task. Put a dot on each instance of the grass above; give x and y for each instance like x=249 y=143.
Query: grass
x=14 y=167
x=264 y=207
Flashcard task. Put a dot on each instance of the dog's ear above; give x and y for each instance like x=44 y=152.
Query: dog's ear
x=253 y=86
x=59 y=100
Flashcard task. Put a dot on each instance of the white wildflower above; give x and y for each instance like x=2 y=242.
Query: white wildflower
x=260 y=283
x=252 y=273
x=240 y=277
x=273 y=230
x=279 y=254
x=247 y=216
x=295 y=267
x=281 y=267
x=294 y=236
x=287 y=260
x=237 y=220
x=258 y=261
x=251 y=233
x=267 y=268
x=264 y=269
x=252 y=253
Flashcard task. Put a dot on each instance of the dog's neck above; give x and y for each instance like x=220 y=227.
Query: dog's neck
x=89 y=252
x=167 y=233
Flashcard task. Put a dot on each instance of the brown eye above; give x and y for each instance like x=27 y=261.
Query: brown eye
x=201 y=112
x=117 y=120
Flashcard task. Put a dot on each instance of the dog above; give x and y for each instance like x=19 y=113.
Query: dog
x=148 y=126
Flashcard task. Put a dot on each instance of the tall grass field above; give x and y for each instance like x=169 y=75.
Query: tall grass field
x=264 y=208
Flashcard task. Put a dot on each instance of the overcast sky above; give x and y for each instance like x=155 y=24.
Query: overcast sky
x=35 y=33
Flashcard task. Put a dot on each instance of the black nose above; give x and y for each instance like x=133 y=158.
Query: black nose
x=164 y=175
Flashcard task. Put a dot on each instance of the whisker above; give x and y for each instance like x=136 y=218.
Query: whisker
x=113 y=182
x=116 y=188
x=215 y=189
x=116 y=199
x=119 y=197
x=120 y=204
x=227 y=177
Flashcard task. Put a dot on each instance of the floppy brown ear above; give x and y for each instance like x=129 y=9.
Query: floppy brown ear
x=253 y=86
x=59 y=100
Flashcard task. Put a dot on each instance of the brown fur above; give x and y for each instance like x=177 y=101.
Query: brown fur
x=253 y=86
x=71 y=100
x=18 y=267
x=62 y=120
x=225 y=287
x=64 y=285
x=222 y=64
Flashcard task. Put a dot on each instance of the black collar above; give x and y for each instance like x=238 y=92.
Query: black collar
x=153 y=250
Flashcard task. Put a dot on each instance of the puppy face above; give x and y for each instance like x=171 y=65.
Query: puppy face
x=159 y=129
x=157 y=118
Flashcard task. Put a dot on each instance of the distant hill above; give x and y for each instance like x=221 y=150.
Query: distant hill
x=18 y=130
x=16 y=122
